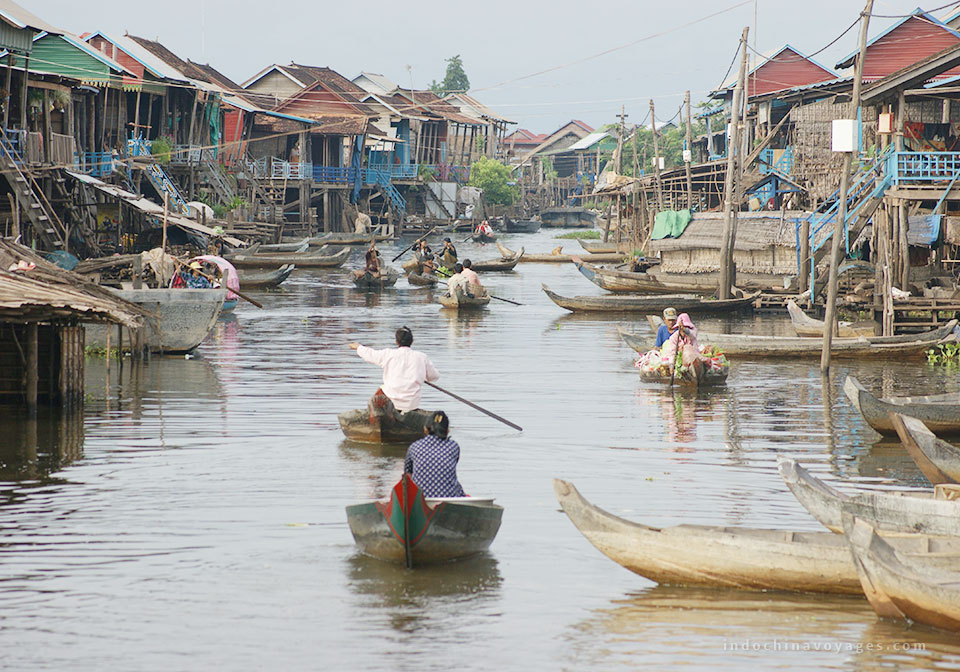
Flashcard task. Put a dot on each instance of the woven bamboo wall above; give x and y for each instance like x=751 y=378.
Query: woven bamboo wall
x=815 y=165
x=776 y=260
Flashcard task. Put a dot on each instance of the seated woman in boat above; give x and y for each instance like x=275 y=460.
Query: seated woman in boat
x=449 y=253
x=667 y=328
x=684 y=342
x=191 y=279
x=432 y=460
x=473 y=280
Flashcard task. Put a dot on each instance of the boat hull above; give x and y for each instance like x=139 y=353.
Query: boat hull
x=302 y=260
x=388 y=278
x=266 y=279
x=653 y=304
x=411 y=530
x=181 y=318
x=406 y=428
x=522 y=225
x=940 y=413
x=938 y=460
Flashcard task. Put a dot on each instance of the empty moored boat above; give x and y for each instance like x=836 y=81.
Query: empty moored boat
x=264 y=279
x=939 y=412
x=938 y=460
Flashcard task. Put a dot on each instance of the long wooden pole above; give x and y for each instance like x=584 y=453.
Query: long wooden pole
x=656 y=156
x=473 y=405
x=727 y=272
x=166 y=209
x=830 y=319
x=689 y=156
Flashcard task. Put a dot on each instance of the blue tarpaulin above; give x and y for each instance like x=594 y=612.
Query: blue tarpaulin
x=923 y=230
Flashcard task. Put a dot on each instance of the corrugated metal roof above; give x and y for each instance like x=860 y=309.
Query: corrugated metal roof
x=19 y=17
x=153 y=65
x=588 y=141
x=848 y=60
x=382 y=84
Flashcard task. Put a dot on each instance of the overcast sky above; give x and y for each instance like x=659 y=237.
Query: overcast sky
x=664 y=52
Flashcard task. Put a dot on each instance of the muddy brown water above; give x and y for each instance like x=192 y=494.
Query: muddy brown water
x=193 y=516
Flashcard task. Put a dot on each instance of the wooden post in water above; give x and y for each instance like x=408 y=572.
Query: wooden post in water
x=33 y=368
x=689 y=157
x=904 y=279
x=727 y=271
x=830 y=319
x=166 y=209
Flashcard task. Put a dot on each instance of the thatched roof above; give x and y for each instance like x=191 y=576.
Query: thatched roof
x=47 y=292
x=755 y=231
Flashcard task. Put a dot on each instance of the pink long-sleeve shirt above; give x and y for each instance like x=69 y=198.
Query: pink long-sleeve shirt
x=404 y=371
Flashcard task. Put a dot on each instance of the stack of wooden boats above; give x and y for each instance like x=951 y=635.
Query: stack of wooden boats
x=558 y=257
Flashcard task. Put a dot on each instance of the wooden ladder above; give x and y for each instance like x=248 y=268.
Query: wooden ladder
x=33 y=203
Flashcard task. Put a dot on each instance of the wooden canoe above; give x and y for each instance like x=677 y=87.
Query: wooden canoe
x=461 y=301
x=598 y=246
x=484 y=237
x=939 y=412
x=521 y=225
x=413 y=530
x=649 y=304
x=907 y=511
x=709 y=377
x=630 y=281
x=402 y=428
x=365 y=280
x=560 y=258
x=302 y=260
x=902 y=586
x=346 y=239
x=264 y=279
x=728 y=557
x=938 y=460
x=504 y=264
x=422 y=280
x=292 y=246
x=750 y=346
x=805 y=325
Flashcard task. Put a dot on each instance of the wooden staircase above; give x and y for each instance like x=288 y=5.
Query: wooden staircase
x=34 y=205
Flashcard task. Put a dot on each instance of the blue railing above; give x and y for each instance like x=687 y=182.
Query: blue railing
x=912 y=167
x=783 y=165
x=382 y=179
x=158 y=178
x=96 y=164
x=331 y=174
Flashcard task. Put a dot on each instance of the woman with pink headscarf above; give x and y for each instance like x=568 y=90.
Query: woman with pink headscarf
x=684 y=340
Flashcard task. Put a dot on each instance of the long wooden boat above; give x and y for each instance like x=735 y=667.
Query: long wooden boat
x=907 y=511
x=265 y=279
x=484 y=237
x=401 y=428
x=708 y=377
x=292 y=246
x=598 y=246
x=728 y=557
x=560 y=258
x=411 y=529
x=461 y=301
x=578 y=218
x=301 y=260
x=521 y=225
x=346 y=239
x=938 y=460
x=651 y=304
x=630 y=281
x=750 y=346
x=422 y=279
x=504 y=264
x=179 y=320
x=900 y=586
x=388 y=278
x=939 y=412
x=805 y=325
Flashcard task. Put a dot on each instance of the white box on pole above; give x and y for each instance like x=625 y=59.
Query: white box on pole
x=687 y=156
x=844 y=135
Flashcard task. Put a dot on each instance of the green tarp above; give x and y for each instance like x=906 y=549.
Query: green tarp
x=670 y=224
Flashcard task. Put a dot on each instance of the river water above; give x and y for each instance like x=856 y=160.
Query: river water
x=192 y=517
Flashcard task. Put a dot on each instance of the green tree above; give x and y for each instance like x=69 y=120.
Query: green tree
x=454 y=81
x=495 y=180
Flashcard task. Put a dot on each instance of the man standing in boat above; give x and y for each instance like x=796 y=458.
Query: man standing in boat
x=404 y=372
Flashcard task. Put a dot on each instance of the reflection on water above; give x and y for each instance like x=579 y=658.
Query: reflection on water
x=420 y=600
x=671 y=627
x=33 y=448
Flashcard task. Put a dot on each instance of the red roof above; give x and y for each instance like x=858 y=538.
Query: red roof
x=786 y=70
x=913 y=40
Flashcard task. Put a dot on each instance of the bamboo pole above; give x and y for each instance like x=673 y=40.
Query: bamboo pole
x=656 y=157
x=166 y=209
x=830 y=319
x=727 y=272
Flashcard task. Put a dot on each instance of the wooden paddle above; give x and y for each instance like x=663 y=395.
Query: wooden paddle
x=498 y=298
x=414 y=243
x=473 y=405
x=213 y=280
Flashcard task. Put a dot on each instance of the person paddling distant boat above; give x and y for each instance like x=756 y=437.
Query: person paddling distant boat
x=404 y=372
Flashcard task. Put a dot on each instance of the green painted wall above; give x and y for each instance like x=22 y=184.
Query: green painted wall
x=19 y=40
